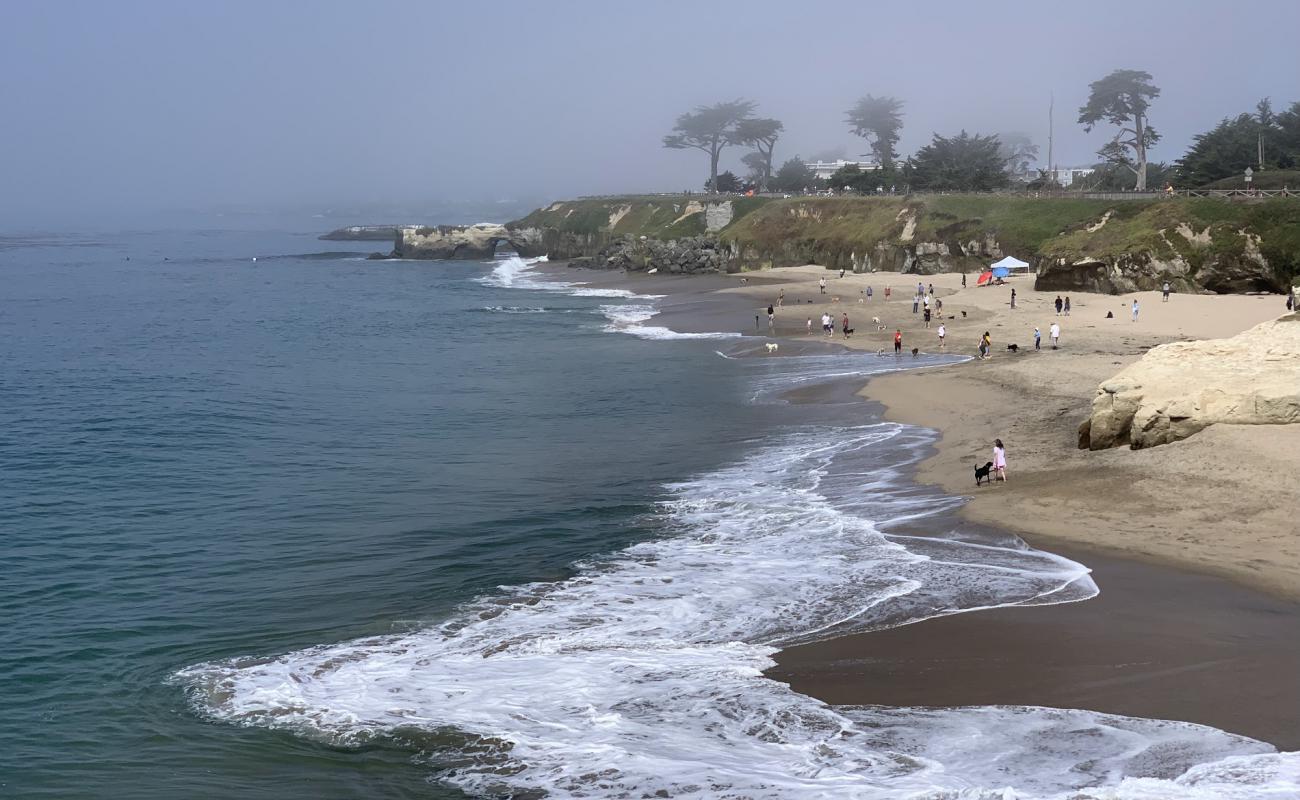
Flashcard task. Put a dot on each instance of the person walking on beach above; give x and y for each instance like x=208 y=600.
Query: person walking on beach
x=810 y=326
x=963 y=280
x=1058 y=305
x=898 y=342
x=841 y=272
x=1013 y=298
x=927 y=318
x=821 y=284
x=999 y=460
x=844 y=326
x=828 y=325
x=1135 y=309
x=1055 y=333
x=932 y=288
x=1067 y=305
x=780 y=299
x=771 y=317
x=868 y=293
x=920 y=288
x=886 y=291
x=986 y=345
x=1038 y=339
x=1164 y=293
x=1290 y=300
x=943 y=332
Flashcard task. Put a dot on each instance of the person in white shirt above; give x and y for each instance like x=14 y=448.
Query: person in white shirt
x=1055 y=333
x=942 y=333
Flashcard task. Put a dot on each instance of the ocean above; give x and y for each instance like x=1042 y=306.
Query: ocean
x=279 y=521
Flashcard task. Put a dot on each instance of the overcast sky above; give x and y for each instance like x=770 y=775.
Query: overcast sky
x=136 y=107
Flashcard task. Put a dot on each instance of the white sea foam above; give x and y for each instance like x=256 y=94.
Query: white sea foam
x=643 y=674
x=517 y=273
x=628 y=319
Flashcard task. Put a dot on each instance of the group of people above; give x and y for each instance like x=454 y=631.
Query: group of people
x=828 y=325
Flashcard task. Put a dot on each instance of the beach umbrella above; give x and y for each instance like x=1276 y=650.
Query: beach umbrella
x=984 y=278
x=1000 y=272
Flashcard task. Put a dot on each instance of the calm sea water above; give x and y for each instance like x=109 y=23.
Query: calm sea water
x=316 y=526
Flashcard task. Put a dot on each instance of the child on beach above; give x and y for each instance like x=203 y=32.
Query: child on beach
x=886 y=292
x=999 y=460
x=942 y=333
x=1135 y=309
x=822 y=285
x=1165 y=293
x=986 y=345
x=898 y=342
x=1038 y=339
x=810 y=326
x=1067 y=305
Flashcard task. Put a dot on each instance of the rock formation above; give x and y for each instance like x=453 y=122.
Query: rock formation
x=466 y=242
x=1178 y=389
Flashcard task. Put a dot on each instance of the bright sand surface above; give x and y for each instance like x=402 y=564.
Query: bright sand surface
x=1160 y=641
x=1224 y=502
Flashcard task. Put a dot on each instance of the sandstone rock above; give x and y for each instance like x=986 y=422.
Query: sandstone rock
x=469 y=242
x=1178 y=389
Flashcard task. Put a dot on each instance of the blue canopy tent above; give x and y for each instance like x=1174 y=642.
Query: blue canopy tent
x=1008 y=266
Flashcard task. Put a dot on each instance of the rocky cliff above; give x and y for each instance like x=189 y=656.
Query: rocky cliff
x=1196 y=245
x=1076 y=244
x=466 y=242
x=1178 y=389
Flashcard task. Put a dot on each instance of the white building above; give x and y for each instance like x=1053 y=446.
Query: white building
x=1066 y=176
x=824 y=169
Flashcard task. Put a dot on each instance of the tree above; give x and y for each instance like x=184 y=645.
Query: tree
x=1018 y=152
x=760 y=134
x=877 y=119
x=709 y=128
x=1122 y=98
x=793 y=176
x=966 y=163
x=1109 y=177
x=725 y=182
x=1234 y=144
x=756 y=164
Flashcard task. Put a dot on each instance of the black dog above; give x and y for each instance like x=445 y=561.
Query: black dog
x=915 y=351
x=1013 y=348
x=963 y=314
x=982 y=473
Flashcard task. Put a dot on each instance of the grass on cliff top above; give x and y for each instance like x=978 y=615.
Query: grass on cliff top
x=857 y=224
x=659 y=217
x=1134 y=227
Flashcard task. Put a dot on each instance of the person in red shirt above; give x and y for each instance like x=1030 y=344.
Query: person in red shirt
x=898 y=342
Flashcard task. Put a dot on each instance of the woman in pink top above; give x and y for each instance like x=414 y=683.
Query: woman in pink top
x=999 y=460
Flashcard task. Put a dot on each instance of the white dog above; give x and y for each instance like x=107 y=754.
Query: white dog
x=876 y=321
x=772 y=347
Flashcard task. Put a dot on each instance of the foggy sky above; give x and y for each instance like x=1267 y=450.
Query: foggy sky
x=139 y=107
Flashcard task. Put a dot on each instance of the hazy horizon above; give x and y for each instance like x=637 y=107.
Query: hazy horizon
x=130 y=110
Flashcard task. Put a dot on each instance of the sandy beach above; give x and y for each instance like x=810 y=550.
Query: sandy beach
x=1193 y=543
x=1222 y=502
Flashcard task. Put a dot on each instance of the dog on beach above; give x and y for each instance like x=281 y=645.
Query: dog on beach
x=876 y=321
x=1015 y=348
x=880 y=352
x=772 y=347
x=963 y=315
x=743 y=281
x=916 y=351
x=982 y=473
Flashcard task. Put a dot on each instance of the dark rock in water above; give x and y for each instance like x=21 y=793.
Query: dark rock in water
x=362 y=233
x=378 y=257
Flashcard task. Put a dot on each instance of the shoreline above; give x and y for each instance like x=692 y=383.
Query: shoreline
x=1172 y=634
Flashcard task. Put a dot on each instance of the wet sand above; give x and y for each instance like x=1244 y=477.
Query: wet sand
x=1168 y=637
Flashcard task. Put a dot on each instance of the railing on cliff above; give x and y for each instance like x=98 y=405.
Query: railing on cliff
x=1153 y=194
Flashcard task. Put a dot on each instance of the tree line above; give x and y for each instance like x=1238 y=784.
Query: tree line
x=1119 y=102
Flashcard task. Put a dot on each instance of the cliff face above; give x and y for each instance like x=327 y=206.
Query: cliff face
x=468 y=242
x=1179 y=389
x=1195 y=245
x=1076 y=244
